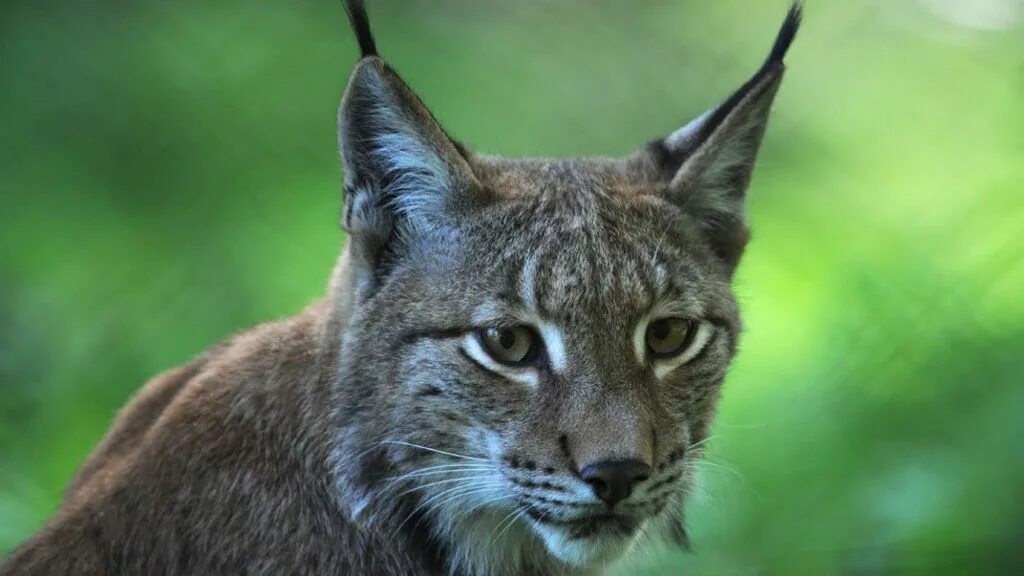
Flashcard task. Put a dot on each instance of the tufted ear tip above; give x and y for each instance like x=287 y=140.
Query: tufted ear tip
x=786 y=34
x=706 y=165
x=361 y=26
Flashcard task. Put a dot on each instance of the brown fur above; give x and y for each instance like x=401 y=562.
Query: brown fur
x=219 y=467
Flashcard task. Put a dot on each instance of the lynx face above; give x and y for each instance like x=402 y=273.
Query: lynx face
x=535 y=347
x=568 y=342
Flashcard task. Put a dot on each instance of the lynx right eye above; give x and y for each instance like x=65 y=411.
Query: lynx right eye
x=513 y=346
x=670 y=337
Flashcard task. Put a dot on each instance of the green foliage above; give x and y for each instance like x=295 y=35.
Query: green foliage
x=169 y=175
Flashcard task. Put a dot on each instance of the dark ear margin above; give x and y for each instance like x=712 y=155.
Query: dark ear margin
x=707 y=164
x=405 y=178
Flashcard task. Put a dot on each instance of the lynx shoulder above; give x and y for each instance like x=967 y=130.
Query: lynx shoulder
x=514 y=370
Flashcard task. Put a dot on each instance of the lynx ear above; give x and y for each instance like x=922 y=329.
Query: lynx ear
x=707 y=163
x=404 y=176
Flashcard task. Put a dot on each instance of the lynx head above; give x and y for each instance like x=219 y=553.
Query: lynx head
x=533 y=348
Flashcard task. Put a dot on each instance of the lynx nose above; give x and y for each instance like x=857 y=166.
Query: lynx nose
x=613 y=480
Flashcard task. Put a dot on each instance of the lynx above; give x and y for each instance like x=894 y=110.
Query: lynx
x=513 y=372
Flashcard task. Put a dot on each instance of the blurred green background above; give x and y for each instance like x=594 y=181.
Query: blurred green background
x=169 y=175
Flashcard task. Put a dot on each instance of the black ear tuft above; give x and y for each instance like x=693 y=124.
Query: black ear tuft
x=771 y=65
x=361 y=25
x=709 y=161
x=786 y=34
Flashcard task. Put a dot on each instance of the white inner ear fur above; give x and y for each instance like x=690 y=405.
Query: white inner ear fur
x=420 y=177
x=685 y=136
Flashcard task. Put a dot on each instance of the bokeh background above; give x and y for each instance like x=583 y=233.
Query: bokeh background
x=169 y=175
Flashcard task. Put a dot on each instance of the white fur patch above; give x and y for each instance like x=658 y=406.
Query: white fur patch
x=582 y=552
x=554 y=343
x=684 y=137
x=419 y=179
x=527 y=282
x=640 y=341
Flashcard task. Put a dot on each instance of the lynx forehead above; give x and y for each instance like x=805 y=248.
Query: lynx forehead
x=514 y=371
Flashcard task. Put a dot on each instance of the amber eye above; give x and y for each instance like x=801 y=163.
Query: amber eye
x=515 y=346
x=669 y=337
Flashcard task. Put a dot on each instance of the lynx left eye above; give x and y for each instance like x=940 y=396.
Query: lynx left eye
x=669 y=337
x=514 y=346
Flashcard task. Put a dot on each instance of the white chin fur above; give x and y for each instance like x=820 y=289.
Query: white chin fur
x=583 y=552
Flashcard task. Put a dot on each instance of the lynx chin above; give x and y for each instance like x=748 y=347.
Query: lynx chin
x=513 y=372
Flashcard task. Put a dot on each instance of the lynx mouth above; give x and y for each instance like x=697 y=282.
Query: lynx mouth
x=588 y=540
x=604 y=525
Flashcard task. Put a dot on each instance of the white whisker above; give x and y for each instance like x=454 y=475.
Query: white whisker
x=510 y=517
x=444 y=469
x=507 y=526
x=439 y=499
x=706 y=462
x=482 y=505
x=435 y=450
x=704 y=441
x=435 y=483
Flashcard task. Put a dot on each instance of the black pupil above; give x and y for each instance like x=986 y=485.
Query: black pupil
x=507 y=339
x=660 y=330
